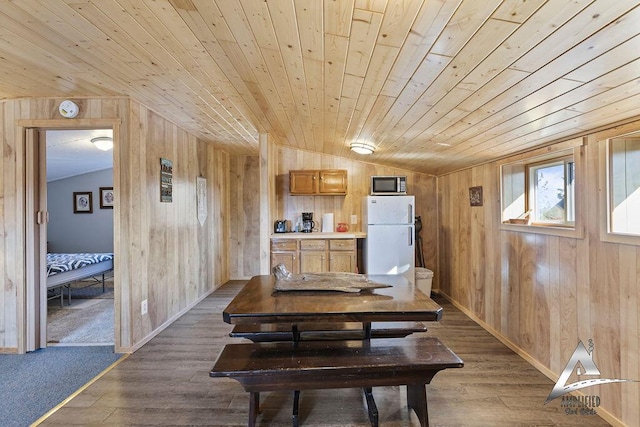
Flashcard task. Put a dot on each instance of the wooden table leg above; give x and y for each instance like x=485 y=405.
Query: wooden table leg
x=296 y=405
x=254 y=408
x=417 y=400
x=366 y=326
x=371 y=406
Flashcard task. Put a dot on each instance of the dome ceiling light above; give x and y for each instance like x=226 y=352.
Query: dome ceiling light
x=104 y=143
x=362 y=148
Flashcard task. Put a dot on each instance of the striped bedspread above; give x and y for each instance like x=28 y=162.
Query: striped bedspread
x=59 y=263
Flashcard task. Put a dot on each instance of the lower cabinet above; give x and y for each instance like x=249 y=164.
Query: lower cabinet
x=315 y=255
x=342 y=255
x=285 y=251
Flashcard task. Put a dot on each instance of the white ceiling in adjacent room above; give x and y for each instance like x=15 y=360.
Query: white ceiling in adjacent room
x=71 y=152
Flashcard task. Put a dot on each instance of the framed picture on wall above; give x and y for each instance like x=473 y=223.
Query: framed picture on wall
x=166 y=180
x=82 y=202
x=475 y=196
x=106 y=198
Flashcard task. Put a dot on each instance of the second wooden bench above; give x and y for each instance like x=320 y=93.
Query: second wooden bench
x=272 y=332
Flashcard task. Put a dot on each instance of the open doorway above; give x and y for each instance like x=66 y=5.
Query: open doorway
x=79 y=237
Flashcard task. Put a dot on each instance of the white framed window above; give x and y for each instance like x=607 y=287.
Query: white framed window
x=539 y=193
x=622 y=158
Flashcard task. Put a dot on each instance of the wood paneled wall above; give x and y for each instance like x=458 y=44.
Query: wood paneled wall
x=245 y=205
x=162 y=253
x=542 y=293
x=358 y=174
x=244 y=243
x=170 y=259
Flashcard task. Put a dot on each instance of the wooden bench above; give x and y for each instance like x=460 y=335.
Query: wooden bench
x=272 y=332
x=363 y=364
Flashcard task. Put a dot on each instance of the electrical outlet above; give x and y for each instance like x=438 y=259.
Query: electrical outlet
x=144 y=307
x=354 y=219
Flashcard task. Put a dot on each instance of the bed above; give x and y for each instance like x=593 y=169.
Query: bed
x=66 y=268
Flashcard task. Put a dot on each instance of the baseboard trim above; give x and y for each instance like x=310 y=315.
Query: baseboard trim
x=603 y=413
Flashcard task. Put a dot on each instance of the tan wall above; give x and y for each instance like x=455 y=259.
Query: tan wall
x=165 y=255
x=543 y=293
x=358 y=174
x=162 y=253
x=244 y=244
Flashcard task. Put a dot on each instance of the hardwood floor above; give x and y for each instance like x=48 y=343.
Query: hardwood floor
x=167 y=383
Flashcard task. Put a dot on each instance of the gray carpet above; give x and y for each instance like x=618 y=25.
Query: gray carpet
x=85 y=322
x=32 y=384
x=88 y=320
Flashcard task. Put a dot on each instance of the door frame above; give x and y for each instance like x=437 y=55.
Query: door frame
x=34 y=333
x=36 y=239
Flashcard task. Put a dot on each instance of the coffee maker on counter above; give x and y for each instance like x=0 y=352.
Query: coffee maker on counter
x=307 y=222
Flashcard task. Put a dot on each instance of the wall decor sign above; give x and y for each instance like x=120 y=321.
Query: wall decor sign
x=166 y=180
x=82 y=202
x=201 y=191
x=106 y=198
x=475 y=196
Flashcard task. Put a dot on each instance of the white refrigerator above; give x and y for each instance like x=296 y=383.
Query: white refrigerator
x=389 y=247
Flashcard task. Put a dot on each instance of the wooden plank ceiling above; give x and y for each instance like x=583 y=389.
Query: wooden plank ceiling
x=434 y=85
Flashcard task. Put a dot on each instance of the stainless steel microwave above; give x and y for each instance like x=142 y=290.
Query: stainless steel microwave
x=388 y=185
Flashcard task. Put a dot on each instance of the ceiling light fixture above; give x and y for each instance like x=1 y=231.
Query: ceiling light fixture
x=104 y=143
x=362 y=148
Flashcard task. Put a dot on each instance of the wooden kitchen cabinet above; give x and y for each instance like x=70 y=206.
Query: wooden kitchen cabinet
x=313 y=262
x=315 y=255
x=285 y=251
x=342 y=256
x=318 y=182
x=303 y=182
x=332 y=181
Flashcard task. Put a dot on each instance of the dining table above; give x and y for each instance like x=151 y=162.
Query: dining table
x=259 y=302
x=394 y=299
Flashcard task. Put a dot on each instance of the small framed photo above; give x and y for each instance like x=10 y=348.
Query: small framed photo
x=106 y=198
x=82 y=202
x=475 y=196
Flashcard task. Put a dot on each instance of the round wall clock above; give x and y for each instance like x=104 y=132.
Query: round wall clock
x=68 y=109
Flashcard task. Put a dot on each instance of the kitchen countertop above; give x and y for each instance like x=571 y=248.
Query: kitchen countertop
x=320 y=235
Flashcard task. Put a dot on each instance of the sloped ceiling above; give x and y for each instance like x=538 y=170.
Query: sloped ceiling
x=434 y=85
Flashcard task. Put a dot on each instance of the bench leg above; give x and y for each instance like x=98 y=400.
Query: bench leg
x=296 y=410
x=371 y=406
x=417 y=400
x=254 y=406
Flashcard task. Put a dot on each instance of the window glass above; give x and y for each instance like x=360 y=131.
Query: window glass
x=624 y=185
x=551 y=195
x=540 y=191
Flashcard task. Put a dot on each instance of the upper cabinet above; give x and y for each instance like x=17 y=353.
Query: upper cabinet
x=318 y=182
